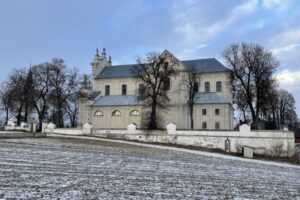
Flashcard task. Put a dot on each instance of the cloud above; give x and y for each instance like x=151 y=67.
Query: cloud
x=195 y=48
x=198 y=24
x=261 y=23
x=289 y=80
x=285 y=48
x=287 y=37
x=280 y=5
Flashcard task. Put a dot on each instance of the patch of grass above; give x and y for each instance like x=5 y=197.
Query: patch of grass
x=15 y=131
x=292 y=160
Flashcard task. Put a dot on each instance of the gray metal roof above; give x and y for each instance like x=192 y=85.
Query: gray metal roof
x=118 y=71
x=116 y=100
x=209 y=98
x=199 y=66
x=93 y=96
x=206 y=65
x=131 y=100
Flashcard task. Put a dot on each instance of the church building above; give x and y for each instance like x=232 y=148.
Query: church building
x=112 y=102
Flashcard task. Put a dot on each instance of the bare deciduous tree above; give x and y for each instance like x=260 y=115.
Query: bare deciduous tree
x=191 y=86
x=17 y=83
x=281 y=110
x=253 y=68
x=71 y=109
x=154 y=72
x=240 y=99
x=45 y=87
x=6 y=99
x=40 y=90
x=64 y=83
x=286 y=108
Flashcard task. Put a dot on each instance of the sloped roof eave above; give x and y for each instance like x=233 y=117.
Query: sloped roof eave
x=210 y=98
x=118 y=100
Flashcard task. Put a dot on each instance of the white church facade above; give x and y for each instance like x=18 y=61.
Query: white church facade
x=112 y=102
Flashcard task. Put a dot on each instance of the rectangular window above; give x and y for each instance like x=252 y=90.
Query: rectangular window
x=196 y=87
x=217 y=111
x=124 y=89
x=217 y=125
x=203 y=111
x=204 y=125
x=207 y=86
x=166 y=83
x=141 y=89
x=219 y=86
x=107 y=90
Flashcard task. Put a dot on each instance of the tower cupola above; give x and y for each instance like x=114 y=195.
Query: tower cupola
x=100 y=62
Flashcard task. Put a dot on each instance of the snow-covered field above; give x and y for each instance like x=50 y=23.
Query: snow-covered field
x=66 y=168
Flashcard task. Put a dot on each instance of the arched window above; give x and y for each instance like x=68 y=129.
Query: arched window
x=219 y=86
x=135 y=113
x=116 y=113
x=98 y=113
x=207 y=87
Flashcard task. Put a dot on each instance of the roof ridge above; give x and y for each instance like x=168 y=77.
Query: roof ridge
x=122 y=65
x=212 y=58
x=119 y=95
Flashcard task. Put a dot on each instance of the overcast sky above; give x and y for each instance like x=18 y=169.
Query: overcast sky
x=34 y=31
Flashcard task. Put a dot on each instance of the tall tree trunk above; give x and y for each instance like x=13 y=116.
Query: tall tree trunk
x=6 y=117
x=19 y=115
x=191 y=115
x=253 y=114
x=41 y=117
x=244 y=115
x=26 y=113
x=153 y=124
x=60 y=117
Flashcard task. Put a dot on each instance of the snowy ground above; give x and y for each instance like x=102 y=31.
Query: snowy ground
x=68 y=168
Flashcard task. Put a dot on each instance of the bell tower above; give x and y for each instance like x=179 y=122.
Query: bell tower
x=100 y=62
x=96 y=64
